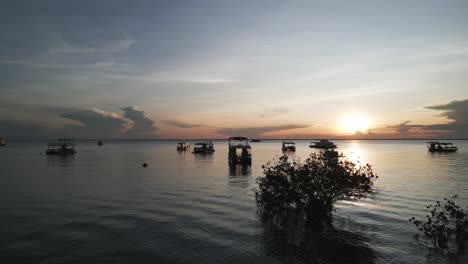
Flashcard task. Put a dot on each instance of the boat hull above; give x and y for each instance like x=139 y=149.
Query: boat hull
x=443 y=150
x=60 y=152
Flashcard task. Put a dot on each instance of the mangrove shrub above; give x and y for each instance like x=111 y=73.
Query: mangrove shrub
x=311 y=188
x=446 y=222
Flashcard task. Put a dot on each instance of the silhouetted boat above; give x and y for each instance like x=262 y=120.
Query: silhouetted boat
x=323 y=144
x=288 y=146
x=203 y=147
x=239 y=151
x=2 y=142
x=255 y=140
x=183 y=146
x=63 y=146
x=100 y=143
x=435 y=146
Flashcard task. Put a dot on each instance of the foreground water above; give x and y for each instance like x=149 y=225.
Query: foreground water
x=101 y=206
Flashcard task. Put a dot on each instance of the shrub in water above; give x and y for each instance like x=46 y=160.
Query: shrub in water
x=311 y=188
x=447 y=222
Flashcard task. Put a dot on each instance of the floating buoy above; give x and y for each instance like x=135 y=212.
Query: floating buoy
x=145 y=165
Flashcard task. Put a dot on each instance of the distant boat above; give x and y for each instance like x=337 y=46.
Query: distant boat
x=288 y=146
x=323 y=144
x=2 y=142
x=203 y=148
x=183 y=146
x=100 y=143
x=255 y=140
x=435 y=146
x=63 y=146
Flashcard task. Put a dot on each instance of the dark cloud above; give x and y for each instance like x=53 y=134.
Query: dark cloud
x=179 y=124
x=457 y=127
x=96 y=124
x=143 y=127
x=457 y=112
x=92 y=124
x=13 y=129
x=253 y=132
x=403 y=127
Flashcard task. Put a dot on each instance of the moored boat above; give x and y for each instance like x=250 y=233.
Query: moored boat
x=323 y=144
x=63 y=146
x=183 y=146
x=203 y=147
x=288 y=146
x=239 y=151
x=436 y=146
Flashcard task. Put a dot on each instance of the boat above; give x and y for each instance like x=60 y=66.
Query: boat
x=323 y=144
x=100 y=143
x=203 y=147
x=2 y=142
x=183 y=146
x=239 y=151
x=63 y=146
x=288 y=146
x=436 y=146
x=255 y=140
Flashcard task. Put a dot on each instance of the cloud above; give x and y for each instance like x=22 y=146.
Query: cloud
x=403 y=127
x=178 y=77
x=34 y=64
x=180 y=124
x=253 y=132
x=274 y=111
x=111 y=45
x=96 y=123
x=457 y=112
x=14 y=129
x=143 y=127
x=90 y=124
x=457 y=127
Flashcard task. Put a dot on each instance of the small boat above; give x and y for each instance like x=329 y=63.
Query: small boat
x=239 y=151
x=255 y=140
x=323 y=144
x=288 y=146
x=203 y=147
x=100 y=143
x=435 y=146
x=63 y=146
x=183 y=146
x=2 y=142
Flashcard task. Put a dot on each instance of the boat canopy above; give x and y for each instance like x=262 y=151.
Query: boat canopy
x=440 y=143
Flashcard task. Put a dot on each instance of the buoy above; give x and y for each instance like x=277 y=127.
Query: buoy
x=145 y=165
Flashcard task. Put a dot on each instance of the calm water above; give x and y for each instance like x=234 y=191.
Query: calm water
x=101 y=206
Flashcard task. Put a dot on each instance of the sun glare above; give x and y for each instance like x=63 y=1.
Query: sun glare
x=352 y=124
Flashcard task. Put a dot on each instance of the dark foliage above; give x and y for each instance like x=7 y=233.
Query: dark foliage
x=447 y=222
x=310 y=188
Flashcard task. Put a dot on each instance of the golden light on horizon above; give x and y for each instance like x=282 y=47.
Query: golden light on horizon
x=353 y=123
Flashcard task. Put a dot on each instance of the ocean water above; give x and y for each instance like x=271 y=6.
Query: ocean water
x=102 y=206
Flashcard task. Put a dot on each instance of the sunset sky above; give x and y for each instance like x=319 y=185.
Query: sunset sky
x=212 y=69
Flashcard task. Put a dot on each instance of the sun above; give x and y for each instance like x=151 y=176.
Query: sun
x=352 y=124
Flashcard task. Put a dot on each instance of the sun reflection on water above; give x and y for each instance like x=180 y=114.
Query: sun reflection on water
x=354 y=153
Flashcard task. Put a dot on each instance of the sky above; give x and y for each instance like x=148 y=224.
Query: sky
x=213 y=69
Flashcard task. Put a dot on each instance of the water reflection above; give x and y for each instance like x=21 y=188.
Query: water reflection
x=240 y=170
x=295 y=243
x=203 y=158
x=354 y=153
x=184 y=155
x=60 y=160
